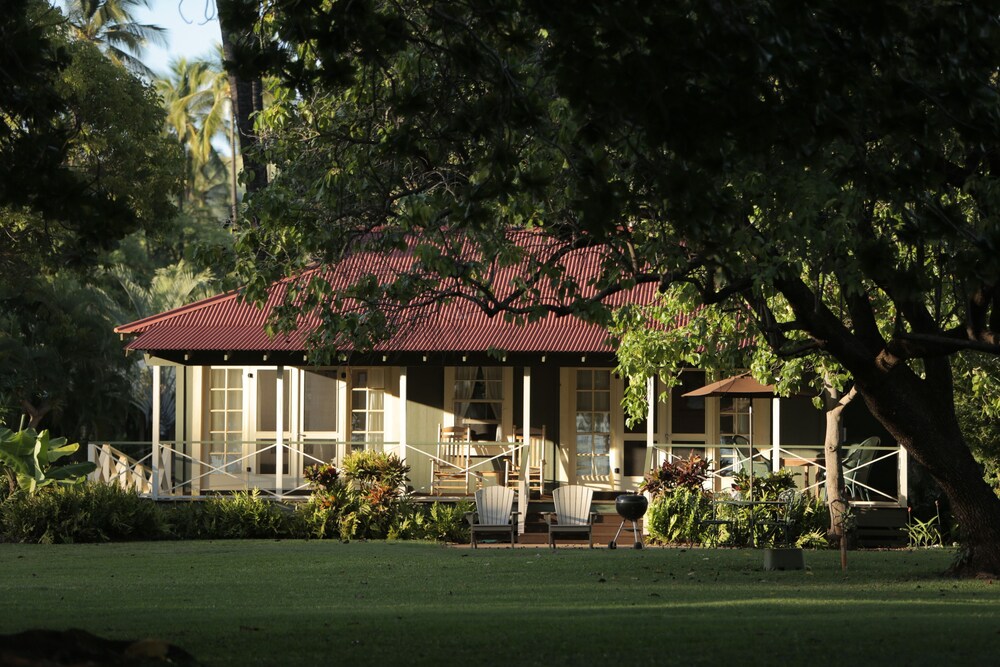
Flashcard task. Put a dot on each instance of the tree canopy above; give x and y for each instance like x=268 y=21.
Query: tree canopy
x=83 y=163
x=824 y=169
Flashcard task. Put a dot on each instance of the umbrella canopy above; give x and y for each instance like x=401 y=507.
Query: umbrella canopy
x=740 y=386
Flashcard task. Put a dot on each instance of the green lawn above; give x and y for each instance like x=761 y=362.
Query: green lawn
x=309 y=603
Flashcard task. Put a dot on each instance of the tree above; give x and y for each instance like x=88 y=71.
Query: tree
x=102 y=170
x=171 y=287
x=827 y=170
x=237 y=21
x=195 y=95
x=111 y=25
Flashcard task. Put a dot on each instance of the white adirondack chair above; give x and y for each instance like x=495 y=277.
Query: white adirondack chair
x=572 y=513
x=494 y=513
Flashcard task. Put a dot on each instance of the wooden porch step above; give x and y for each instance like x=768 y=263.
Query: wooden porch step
x=881 y=527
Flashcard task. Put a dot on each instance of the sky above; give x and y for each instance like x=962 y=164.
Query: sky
x=192 y=30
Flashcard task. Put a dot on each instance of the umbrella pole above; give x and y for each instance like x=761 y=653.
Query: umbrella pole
x=753 y=533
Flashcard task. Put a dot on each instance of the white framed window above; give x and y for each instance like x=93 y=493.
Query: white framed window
x=593 y=422
x=225 y=419
x=478 y=400
x=320 y=402
x=367 y=406
x=734 y=427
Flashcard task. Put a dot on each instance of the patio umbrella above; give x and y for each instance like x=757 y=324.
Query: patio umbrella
x=738 y=386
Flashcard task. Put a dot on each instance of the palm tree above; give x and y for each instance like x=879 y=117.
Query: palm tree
x=111 y=25
x=128 y=299
x=195 y=95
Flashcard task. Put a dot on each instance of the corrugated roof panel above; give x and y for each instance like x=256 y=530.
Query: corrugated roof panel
x=223 y=323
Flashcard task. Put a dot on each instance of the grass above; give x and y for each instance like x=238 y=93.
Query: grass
x=307 y=603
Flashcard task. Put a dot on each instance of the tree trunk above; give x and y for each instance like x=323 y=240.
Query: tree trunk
x=921 y=417
x=835 y=404
x=246 y=97
x=35 y=413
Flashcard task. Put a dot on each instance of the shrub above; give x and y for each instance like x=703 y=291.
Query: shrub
x=242 y=515
x=447 y=522
x=370 y=469
x=689 y=473
x=89 y=512
x=676 y=515
x=809 y=514
x=365 y=499
x=323 y=477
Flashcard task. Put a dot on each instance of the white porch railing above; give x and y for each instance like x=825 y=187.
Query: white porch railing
x=116 y=467
x=808 y=464
x=192 y=469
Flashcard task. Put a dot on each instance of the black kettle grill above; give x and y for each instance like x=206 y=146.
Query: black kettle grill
x=630 y=507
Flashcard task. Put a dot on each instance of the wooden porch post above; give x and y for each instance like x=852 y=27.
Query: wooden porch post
x=156 y=433
x=279 y=432
x=401 y=421
x=650 y=434
x=650 y=417
x=903 y=474
x=776 y=434
x=525 y=454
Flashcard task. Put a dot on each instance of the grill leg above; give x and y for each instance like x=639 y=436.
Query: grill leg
x=635 y=533
x=613 y=544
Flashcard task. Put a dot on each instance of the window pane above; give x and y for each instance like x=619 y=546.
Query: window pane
x=235 y=377
x=688 y=414
x=234 y=422
x=743 y=424
x=267 y=391
x=584 y=421
x=218 y=421
x=602 y=422
x=584 y=467
x=375 y=401
x=602 y=400
x=218 y=378
x=602 y=444
x=602 y=465
x=218 y=400
x=375 y=422
x=584 y=379
x=584 y=400
x=358 y=421
x=357 y=400
x=602 y=379
x=319 y=405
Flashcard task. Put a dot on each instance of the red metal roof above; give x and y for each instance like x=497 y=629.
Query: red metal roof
x=223 y=323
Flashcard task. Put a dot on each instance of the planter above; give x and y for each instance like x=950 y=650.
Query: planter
x=783 y=559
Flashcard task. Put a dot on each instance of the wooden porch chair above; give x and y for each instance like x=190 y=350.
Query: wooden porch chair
x=494 y=513
x=528 y=462
x=449 y=474
x=857 y=467
x=746 y=458
x=572 y=515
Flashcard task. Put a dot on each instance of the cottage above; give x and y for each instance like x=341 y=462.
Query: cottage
x=453 y=392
